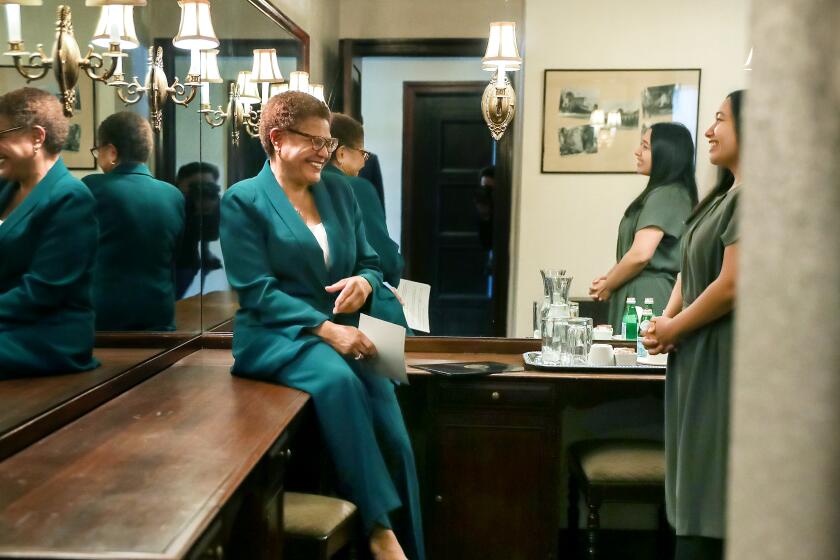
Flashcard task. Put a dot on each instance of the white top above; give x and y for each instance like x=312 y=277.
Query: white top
x=320 y=234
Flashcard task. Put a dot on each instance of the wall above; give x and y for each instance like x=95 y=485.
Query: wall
x=430 y=18
x=319 y=18
x=571 y=220
x=382 y=110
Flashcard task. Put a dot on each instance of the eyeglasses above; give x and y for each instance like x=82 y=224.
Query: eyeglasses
x=365 y=153
x=95 y=152
x=318 y=142
x=14 y=128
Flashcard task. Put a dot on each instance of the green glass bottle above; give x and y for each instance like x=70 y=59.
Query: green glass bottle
x=644 y=323
x=630 y=321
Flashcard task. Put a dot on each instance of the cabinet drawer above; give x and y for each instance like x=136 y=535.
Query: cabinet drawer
x=490 y=394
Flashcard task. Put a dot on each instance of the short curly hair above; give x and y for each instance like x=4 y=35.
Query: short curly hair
x=130 y=134
x=27 y=107
x=348 y=130
x=286 y=110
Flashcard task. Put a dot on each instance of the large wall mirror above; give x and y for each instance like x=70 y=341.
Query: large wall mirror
x=134 y=324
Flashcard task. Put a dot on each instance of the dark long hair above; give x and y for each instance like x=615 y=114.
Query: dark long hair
x=725 y=177
x=672 y=161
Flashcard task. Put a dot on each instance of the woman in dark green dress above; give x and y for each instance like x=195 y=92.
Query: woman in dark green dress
x=295 y=250
x=649 y=233
x=48 y=241
x=697 y=325
x=346 y=161
x=141 y=222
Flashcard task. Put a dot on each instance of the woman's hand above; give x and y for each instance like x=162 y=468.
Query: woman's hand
x=599 y=290
x=661 y=336
x=347 y=341
x=354 y=291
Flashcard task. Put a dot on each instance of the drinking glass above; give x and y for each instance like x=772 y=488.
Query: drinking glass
x=579 y=340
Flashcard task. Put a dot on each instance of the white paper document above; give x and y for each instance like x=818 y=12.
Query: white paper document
x=416 y=304
x=389 y=340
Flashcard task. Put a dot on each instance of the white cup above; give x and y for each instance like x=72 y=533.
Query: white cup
x=601 y=355
x=625 y=357
x=602 y=332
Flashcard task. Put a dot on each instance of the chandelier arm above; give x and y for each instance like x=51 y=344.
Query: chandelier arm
x=95 y=61
x=216 y=118
x=38 y=60
x=131 y=93
x=179 y=95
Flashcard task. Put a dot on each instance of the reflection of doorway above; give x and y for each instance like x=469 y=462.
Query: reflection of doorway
x=445 y=145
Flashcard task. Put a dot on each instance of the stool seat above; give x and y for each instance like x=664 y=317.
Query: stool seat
x=312 y=516
x=621 y=461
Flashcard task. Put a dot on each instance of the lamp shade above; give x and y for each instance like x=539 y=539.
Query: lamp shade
x=299 y=81
x=501 y=47
x=196 y=29
x=317 y=91
x=116 y=21
x=613 y=119
x=209 y=67
x=97 y=3
x=597 y=117
x=248 y=92
x=276 y=89
x=265 y=69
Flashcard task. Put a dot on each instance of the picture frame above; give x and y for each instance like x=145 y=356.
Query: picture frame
x=82 y=135
x=593 y=119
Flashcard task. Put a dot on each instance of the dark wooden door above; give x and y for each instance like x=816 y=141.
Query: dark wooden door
x=445 y=145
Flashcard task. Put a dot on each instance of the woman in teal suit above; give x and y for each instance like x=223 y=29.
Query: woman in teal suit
x=48 y=240
x=346 y=161
x=295 y=250
x=141 y=222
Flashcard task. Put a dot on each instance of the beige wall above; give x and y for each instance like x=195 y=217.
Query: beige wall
x=319 y=18
x=428 y=18
x=571 y=220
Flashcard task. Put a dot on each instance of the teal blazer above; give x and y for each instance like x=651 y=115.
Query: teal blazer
x=48 y=247
x=141 y=222
x=277 y=268
x=376 y=228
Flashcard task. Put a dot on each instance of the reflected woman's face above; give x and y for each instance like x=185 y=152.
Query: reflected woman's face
x=297 y=154
x=351 y=159
x=17 y=150
x=723 y=141
x=644 y=159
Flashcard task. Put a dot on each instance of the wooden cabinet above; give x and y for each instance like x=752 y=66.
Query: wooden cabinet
x=491 y=479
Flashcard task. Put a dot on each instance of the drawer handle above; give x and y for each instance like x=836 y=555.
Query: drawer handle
x=495 y=395
x=439 y=499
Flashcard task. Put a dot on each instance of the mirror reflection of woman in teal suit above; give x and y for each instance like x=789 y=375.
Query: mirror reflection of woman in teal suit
x=141 y=222
x=48 y=237
x=346 y=161
x=295 y=250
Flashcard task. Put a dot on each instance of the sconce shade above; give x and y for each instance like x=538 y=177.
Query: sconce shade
x=196 y=29
x=317 y=91
x=248 y=92
x=597 y=117
x=613 y=119
x=501 y=47
x=23 y=2
x=265 y=69
x=299 y=81
x=276 y=89
x=97 y=3
x=209 y=68
x=119 y=20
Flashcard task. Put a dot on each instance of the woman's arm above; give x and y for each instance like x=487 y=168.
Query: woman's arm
x=675 y=301
x=631 y=264
x=717 y=300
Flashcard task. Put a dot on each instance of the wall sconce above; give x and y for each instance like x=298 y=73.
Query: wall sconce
x=195 y=33
x=499 y=100
x=157 y=89
x=66 y=61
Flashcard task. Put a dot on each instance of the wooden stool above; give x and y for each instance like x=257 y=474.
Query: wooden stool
x=316 y=527
x=618 y=470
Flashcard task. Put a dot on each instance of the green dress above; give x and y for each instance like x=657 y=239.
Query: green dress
x=666 y=207
x=141 y=222
x=698 y=383
x=47 y=251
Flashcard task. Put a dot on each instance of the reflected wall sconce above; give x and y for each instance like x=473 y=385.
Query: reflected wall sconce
x=156 y=89
x=115 y=31
x=498 y=104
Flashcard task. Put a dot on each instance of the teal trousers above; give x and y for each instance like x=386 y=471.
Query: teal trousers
x=366 y=438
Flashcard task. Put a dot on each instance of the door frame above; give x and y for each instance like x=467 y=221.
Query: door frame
x=351 y=51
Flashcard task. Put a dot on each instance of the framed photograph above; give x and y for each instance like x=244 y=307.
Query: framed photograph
x=82 y=135
x=593 y=120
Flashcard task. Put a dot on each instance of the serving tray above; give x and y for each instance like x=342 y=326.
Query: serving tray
x=533 y=361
